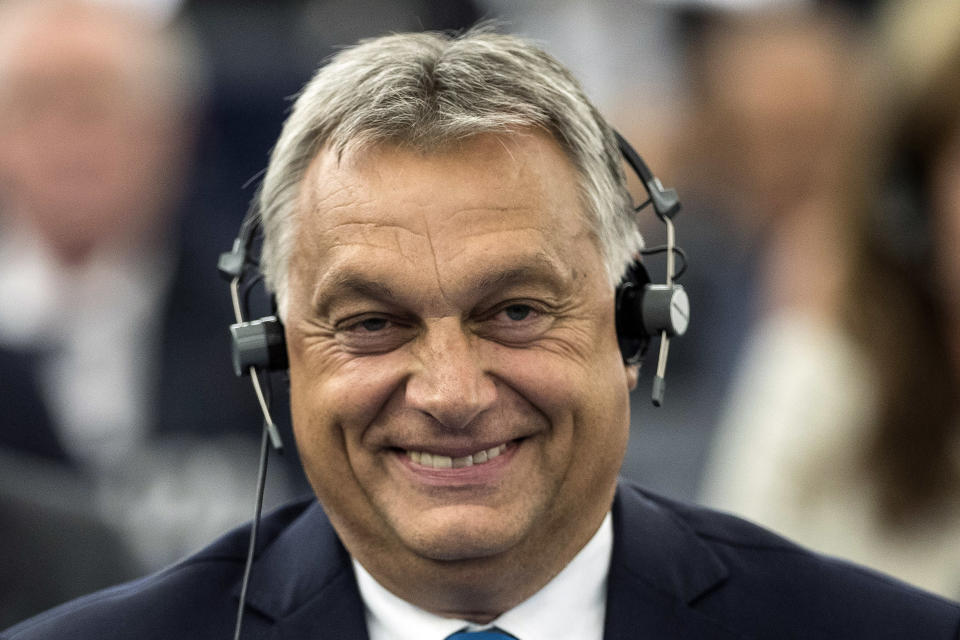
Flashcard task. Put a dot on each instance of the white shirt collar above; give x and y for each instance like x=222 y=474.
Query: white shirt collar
x=572 y=605
x=97 y=323
x=115 y=287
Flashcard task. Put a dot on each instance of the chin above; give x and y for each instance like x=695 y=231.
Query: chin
x=464 y=539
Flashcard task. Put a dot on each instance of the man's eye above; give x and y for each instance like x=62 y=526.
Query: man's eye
x=373 y=334
x=373 y=324
x=517 y=323
x=518 y=312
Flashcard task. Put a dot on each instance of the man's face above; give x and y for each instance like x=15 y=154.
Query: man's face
x=456 y=387
x=90 y=152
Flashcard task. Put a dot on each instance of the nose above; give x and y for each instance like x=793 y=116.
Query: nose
x=449 y=383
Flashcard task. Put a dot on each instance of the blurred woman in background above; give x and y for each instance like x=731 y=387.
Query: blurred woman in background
x=843 y=429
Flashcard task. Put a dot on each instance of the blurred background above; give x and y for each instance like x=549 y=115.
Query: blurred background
x=816 y=149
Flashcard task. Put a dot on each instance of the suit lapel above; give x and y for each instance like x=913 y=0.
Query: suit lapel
x=303 y=584
x=659 y=567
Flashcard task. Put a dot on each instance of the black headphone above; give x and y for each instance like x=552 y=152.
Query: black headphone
x=643 y=309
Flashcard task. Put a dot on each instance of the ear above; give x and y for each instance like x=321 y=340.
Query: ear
x=631 y=373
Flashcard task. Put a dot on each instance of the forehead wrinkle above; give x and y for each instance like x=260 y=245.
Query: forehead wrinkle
x=500 y=220
x=464 y=247
x=366 y=232
x=322 y=183
x=347 y=200
x=363 y=235
x=317 y=193
x=434 y=256
x=317 y=241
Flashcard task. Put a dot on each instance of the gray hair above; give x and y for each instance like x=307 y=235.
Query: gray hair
x=426 y=89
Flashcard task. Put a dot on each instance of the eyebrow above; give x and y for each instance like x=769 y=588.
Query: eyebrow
x=346 y=283
x=542 y=273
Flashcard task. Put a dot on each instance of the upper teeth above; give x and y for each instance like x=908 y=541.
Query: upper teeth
x=446 y=462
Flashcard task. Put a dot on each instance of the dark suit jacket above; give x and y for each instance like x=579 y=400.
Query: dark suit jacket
x=677 y=572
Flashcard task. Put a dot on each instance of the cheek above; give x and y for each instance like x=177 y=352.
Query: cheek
x=333 y=398
x=579 y=387
x=587 y=408
x=342 y=393
x=331 y=414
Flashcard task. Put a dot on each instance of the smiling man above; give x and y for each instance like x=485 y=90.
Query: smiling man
x=459 y=397
x=445 y=224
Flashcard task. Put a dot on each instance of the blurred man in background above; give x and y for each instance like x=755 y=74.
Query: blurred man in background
x=112 y=344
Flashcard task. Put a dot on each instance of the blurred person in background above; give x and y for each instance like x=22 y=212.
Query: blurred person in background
x=843 y=430
x=771 y=104
x=781 y=110
x=113 y=350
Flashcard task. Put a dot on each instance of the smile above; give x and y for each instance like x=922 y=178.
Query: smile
x=438 y=461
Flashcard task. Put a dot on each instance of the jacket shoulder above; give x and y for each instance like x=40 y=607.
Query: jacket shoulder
x=773 y=585
x=193 y=598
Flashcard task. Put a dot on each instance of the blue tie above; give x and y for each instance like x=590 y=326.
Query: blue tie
x=488 y=634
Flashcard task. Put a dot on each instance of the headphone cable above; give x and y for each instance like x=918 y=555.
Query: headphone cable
x=261 y=484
